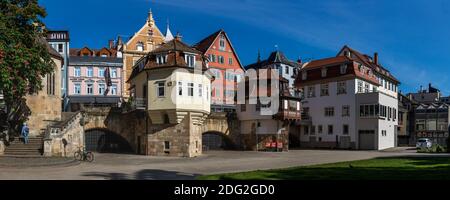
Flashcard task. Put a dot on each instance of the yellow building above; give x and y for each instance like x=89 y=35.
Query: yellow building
x=148 y=38
x=171 y=81
x=172 y=87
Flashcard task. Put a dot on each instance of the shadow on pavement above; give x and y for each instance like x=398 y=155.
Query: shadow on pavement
x=146 y=174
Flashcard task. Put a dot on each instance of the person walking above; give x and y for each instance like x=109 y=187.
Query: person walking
x=25 y=132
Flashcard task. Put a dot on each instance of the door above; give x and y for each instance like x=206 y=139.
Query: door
x=367 y=140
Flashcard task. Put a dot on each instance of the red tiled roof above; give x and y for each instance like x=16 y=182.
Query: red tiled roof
x=366 y=61
x=326 y=61
x=204 y=44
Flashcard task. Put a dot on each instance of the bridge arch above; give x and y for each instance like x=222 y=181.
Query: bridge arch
x=103 y=140
x=215 y=140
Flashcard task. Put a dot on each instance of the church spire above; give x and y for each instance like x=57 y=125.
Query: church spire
x=150 y=19
x=169 y=35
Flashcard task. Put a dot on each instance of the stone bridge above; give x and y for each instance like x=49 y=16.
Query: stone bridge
x=135 y=127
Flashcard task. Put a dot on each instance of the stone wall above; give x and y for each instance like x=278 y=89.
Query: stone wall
x=63 y=140
x=45 y=107
x=2 y=147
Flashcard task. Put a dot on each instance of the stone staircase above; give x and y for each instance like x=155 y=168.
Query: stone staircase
x=16 y=147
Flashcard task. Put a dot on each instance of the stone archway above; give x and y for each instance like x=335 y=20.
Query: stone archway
x=105 y=141
x=214 y=140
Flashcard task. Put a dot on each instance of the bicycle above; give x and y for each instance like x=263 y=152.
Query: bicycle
x=83 y=155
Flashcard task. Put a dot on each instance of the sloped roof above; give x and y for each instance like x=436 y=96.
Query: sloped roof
x=50 y=49
x=175 y=45
x=274 y=57
x=204 y=44
x=326 y=61
x=367 y=60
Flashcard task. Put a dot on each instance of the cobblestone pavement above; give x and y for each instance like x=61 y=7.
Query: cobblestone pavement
x=121 y=166
x=31 y=162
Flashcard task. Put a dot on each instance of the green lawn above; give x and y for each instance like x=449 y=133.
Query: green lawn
x=407 y=168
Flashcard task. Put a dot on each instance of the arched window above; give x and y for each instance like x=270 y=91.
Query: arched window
x=140 y=46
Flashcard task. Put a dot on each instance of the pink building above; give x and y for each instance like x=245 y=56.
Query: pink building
x=87 y=82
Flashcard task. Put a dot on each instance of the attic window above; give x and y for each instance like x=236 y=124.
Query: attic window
x=324 y=72
x=222 y=43
x=161 y=59
x=140 y=46
x=190 y=60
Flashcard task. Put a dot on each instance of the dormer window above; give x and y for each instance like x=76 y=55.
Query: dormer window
x=343 y=68
x=222 y=43
x=140 y=46
x=304 y=75
x=347 y=53
x=161 y=59
x=190 y=60
x=324 y=72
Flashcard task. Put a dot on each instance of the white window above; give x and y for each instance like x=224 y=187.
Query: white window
x=101 y=88
x=221 y=59
x=101 y=72
x=77 y=88
x=222 y=43
x=343 y=68
x=190 y=89
x=200 y=90
x=90 y=88
x=324 y=90
x=140 y=46
x=190 y=60
x=329 y=111
x=114 y=89
x=207 y=93
x=304 y=75
x=230 y=61
x=366 y=88
x=324 y=72
x=341 y=87
x=286 y=69
x=90 y=72
x=180 y=88
x=360 y=86
x=77 y=72
x=161 y=59
x=160 y=89
x=311 y=91
x=113 y=73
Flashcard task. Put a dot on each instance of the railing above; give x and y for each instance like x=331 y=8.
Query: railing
x=58 y=130
x=139 y=103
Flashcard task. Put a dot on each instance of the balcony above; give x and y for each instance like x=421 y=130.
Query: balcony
x=139 y=104
x=288 y=115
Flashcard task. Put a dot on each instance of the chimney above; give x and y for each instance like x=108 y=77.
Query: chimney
x=111 y=44
x=375 y=58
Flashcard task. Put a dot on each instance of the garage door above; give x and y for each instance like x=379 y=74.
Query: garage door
x=367 y=140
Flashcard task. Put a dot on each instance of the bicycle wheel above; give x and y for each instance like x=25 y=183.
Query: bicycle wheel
x=89 y=156
x=77 y=155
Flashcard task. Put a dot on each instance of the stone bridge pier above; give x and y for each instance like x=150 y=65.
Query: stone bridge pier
x=135 y=129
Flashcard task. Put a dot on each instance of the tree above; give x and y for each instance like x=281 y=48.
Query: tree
x=24 y=57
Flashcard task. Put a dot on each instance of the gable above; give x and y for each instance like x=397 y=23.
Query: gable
x=228 y=51
x=142 y=36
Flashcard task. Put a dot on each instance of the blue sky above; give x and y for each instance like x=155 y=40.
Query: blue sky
x=411 y=37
